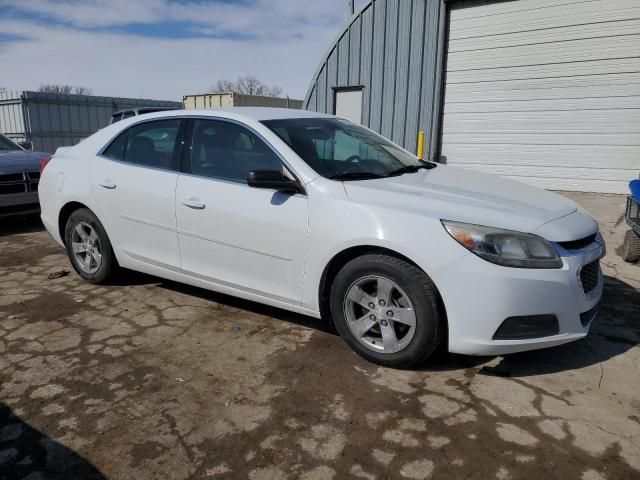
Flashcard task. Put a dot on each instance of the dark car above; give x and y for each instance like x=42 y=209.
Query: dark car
x=132 y=112
x=19 y=177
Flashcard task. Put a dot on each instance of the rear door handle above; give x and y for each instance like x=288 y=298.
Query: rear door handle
x=108 y=184
x=194 y=203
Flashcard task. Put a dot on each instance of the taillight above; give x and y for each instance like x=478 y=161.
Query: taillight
x=43 y=162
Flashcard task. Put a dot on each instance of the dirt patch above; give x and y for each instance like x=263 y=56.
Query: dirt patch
x=45 y=307
x=331 y=413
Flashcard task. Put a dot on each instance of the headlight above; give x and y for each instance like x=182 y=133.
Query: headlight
x=505 y=247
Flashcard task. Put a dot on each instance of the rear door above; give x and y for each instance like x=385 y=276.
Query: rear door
x=232 y=234
x=134 y=182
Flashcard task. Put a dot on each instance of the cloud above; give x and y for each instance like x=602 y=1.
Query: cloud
x=165 y=49
x=260 y=18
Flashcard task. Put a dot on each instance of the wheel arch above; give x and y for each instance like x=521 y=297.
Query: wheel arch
x=65 y=213
x=341 y=258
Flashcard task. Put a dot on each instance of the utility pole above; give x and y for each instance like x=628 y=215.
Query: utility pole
x=352 y=8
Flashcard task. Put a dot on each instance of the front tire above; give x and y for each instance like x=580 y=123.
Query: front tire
x=386 y=310
x=88 y=247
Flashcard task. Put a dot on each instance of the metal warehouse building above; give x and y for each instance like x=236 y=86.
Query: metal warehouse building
x=542 y=91
x=50 y=120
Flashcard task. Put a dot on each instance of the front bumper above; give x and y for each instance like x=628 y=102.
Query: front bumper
x=479 y=296
x=19 y=204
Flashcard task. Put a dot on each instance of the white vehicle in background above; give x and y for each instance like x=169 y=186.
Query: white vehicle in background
x=314 y=214
x=132 y=112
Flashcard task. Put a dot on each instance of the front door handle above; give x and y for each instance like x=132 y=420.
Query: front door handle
x=108 y=184
x=194 y=203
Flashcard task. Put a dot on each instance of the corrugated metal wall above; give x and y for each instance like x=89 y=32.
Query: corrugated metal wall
x=12 y=116
x=52 y=120
x=391 y=48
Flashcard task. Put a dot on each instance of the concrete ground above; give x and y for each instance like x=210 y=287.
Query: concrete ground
x=149 y=379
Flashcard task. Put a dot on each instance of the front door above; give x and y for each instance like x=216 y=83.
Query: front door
x=230 y=233
x=134 y=183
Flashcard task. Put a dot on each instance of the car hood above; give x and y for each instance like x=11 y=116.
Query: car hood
x=462 y=195
x=20 y=161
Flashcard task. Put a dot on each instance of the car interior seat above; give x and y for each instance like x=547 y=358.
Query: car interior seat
x=143 y=151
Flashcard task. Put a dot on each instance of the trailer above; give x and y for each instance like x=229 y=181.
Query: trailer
x=226 y=100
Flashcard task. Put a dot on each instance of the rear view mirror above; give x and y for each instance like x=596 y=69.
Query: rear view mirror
x=273 y=179
x=322 y=134
x=26 y=145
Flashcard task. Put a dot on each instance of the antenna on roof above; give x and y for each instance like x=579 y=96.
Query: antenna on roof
x=351 y=7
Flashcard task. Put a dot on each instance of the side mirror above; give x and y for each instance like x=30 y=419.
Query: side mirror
x=26 y=145
x=273 y=179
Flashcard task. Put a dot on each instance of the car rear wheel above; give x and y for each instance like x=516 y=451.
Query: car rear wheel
x=386 y=309
x=88 y=247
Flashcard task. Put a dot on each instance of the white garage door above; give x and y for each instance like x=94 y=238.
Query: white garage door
x=546 y=92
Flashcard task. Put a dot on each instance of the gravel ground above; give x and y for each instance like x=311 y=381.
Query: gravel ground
x=148 y=379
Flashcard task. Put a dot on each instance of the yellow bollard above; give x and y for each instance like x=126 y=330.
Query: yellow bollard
x=420 y=153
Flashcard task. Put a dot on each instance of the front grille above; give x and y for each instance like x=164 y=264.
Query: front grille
x=13 y=183
x=589 y=275
x=578 y=244
x=12 y=188
x=11 y=177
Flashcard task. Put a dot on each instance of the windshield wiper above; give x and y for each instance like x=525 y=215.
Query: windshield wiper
x=411 y=169
x=355 y=176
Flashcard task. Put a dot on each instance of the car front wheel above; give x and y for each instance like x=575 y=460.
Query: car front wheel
x=386 y=309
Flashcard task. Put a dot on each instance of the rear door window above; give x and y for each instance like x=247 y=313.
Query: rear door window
x=149 y=144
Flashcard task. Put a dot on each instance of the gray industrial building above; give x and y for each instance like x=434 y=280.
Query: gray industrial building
x=542 y=91
x=50 y=120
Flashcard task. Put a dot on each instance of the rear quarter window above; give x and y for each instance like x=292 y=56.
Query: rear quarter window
x=116 y=149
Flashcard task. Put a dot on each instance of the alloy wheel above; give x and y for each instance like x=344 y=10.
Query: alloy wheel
x=379 y=314
x=86 y=249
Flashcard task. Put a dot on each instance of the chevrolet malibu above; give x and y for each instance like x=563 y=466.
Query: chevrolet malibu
x=317 y=215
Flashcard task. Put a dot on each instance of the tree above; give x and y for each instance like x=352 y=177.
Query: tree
x=64 y=89
x=248 y=85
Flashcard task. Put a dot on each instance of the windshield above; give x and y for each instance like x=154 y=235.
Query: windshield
x=341 y=150
x=6 y=144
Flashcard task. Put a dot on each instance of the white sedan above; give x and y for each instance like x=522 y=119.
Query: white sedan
x=318 y=215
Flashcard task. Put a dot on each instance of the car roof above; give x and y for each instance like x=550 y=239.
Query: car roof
x=253 y=113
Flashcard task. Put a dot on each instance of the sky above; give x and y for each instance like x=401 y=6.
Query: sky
x=164 y=49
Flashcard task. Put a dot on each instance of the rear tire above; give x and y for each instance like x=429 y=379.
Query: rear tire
x=631 y=247
x=88 y=247
x=386 y=310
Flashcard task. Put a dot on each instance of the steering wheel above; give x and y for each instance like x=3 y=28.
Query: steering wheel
x=351 y=163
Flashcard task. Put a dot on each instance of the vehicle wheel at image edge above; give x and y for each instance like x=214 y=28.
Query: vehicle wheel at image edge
x=387 y=310
x=88 y=247
x=631 y=247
